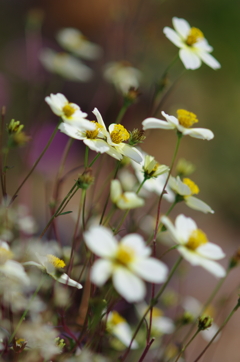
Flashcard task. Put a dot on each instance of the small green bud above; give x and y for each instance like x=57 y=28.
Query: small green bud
x=86 y=179
x=136 y=136
x=15 y=127
x=184 y=168
x=204 y=322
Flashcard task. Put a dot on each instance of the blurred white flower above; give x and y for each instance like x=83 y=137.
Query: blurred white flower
x=53 y=266
x=124 y=200
x=194 y=307
x=69 y=112
x=182 y=124
x=65 y=65
x=74 y=41
x=194 y=48
x=186 y=189
x=122 y=75
x=194 y=245
x=127 y=262
x=118 y=326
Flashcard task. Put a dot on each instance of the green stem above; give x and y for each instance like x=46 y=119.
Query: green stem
x=84 y=192
x=122 y=111
x=95 y=159
x=26 y=311
x=35 y=165
x=184 y=348
x=86 y=157
x=219 y=330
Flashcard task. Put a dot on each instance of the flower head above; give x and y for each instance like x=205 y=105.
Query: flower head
x=194 y=245
x=65 y=65
x=182 y=124
x=74 y=41
x=186 y=188
x=118 y=326
x=124 y=200
x=127 y=262
x=194 y=48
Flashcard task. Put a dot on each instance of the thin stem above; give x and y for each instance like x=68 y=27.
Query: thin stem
x=219 y=330
x=86 y=157
x=190 y=341
x=35 y=164
x=93 y=161
x=146 y=350
x=26 y=311
x=83 y=208
x=122 y=111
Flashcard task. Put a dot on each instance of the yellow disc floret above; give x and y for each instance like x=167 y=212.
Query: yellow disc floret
x=185 y=118
x=194 y=36
x=116 y=318
x=93 y=134
x=124 y=255
x=156 y=312
x=193 y=187
x=68 y=110
x=119 y=134
x=56 y=262
x=197 y=238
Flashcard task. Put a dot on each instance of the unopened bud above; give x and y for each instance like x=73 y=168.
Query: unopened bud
x=19 y=345
x=132 y=95
x=18 y=139
x=235 y=260
x=204 y=322
x=136 y=136
x=184 y=168
x=186 y=318
x=86 y=179
x=15 y=127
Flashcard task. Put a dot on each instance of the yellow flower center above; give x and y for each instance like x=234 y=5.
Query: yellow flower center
x=5 y=254
x=193 y=36
x=20 y=342
x=197 y=238
x=68 y=110
x=56 y=262
x=193 y=187
x=124 y=255
x=119 y=134
x=116 y=318
x=93 y=134
x=156 y=312
x=185 y=118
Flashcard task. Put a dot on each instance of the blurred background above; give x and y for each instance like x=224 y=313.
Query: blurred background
x=132 y=31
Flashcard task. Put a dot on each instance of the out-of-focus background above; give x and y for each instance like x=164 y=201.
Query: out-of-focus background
x=132 y=31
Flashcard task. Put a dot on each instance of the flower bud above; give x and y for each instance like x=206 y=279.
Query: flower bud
x=204 y=322
x=136 y=136
x=86 y=179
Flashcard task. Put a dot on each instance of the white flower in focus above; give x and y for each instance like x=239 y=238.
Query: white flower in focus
x=115 y=138
x=182 y=124
x=74 y=41
x=66 y=65
x=187 y=188
x=69 y=112
x=160 y=324
x=122 y=75
x=127 y=262
x=194 y=48
x=53 y=266
x=118 y=326
x=194 y=245
x=124 y=200
x=194 y=307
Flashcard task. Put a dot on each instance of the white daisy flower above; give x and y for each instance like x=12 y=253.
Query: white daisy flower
x=118 y=326
x=193 y=306
x=69 y=112
x=124 y=200
x=182 y=124
x=74 y=41
x=194 y=245
x=115 y=138
x=194 y=48
x=127 y=262
x=187 y=188
x=122 y=75
x=65 y=65
x=53 y=266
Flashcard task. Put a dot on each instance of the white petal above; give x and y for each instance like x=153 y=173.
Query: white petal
x=115 y=191
x=132 y=153
x=129 y=200
x=210 y=251
x=163 y=324
x=154 y=123
x=210 y=332
x=14 y=270
x=190 y=59
x=101 y=271
x=70 y=131
x=114 y=153
x=173 y=36
x=213 y=267
x=202 y=45
x=64 y=279
x=99 y=117
x=123 y=332
x=97 y=145
x=209 y=60
x=128 y=285
x=101 y=241
x=151 y=270
x=171 y=119
x=166 y=222
x=137 y=243
x=178 y=186
x=185 y=226
x=181 y=26
x=197 y=204
x=202 y=133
